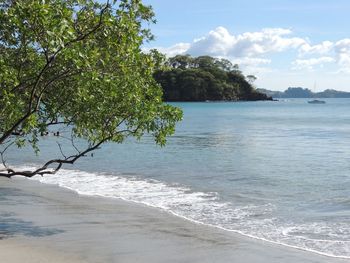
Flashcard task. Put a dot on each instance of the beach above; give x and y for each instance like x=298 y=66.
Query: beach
x=227 y=139
x=46 y=223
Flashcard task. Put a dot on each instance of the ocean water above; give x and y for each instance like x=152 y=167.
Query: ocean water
x=275 y=171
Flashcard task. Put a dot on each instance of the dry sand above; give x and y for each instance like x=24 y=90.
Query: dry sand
x=44 y=223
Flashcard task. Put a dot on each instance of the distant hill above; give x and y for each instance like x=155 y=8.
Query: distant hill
x=298 y=92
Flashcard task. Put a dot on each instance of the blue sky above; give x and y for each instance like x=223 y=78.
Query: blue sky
x=283 y=42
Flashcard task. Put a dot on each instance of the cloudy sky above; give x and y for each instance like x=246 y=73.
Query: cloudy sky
x=283 y=42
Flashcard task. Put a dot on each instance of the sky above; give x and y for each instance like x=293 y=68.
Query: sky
x=285 y=43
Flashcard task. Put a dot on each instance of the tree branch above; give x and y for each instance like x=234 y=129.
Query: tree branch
x=44 y=169
x=30 y=109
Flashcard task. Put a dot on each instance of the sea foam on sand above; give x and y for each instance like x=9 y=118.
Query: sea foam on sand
x=75 y=228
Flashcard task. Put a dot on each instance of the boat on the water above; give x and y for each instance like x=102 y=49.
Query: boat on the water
x=316 y=102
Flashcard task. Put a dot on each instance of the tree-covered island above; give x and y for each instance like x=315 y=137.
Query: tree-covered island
x=206 y=78
x=77 y=68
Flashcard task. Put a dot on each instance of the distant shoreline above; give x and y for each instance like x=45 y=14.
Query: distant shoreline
x=302 y=93
x=209 y=101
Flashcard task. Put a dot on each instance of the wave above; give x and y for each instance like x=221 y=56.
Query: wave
x=207 y=208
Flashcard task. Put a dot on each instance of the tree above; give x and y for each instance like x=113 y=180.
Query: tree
x=251 y=79
x=224 y=64
x=78 y=65
x=205 y=78
x=180 y=61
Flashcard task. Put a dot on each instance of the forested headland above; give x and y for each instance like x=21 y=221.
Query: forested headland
x=206 y=78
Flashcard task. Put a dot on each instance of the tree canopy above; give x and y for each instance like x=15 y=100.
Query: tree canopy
x=78 y=64
x=205 y=78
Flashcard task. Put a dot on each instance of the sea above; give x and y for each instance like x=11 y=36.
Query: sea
x=277 y=171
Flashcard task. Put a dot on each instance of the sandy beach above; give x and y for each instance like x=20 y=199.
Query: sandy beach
x=46 y=223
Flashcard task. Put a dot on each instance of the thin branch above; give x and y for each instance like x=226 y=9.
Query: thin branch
x=72 y=140
x=44 y=169
x=59 y=162
x=3 y=152
x=60 y=147
x=52 y=123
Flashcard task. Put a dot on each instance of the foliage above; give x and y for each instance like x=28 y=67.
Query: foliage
x=205 y=78
x=78 y=64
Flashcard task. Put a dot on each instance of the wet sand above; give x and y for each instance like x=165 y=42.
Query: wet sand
x=45 y=223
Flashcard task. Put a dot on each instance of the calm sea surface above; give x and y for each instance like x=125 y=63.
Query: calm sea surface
x=276 y=171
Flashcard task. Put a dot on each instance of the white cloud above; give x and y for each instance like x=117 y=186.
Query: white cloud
x=310 y=63
x=252 y=66
x=253 y=50
x=220 y=42
x=177 y=49
x=343 y=46
x=217 y=43
x=250 y=61
x=339 y=52
x=324 y=48
x=342 y=53
x=247 y=49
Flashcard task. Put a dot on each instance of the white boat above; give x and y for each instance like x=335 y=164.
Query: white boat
x=316 y=102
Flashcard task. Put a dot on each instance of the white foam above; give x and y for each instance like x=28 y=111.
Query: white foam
x=254 y=221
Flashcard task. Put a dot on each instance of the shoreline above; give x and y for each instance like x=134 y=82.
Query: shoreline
x=46 y=221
